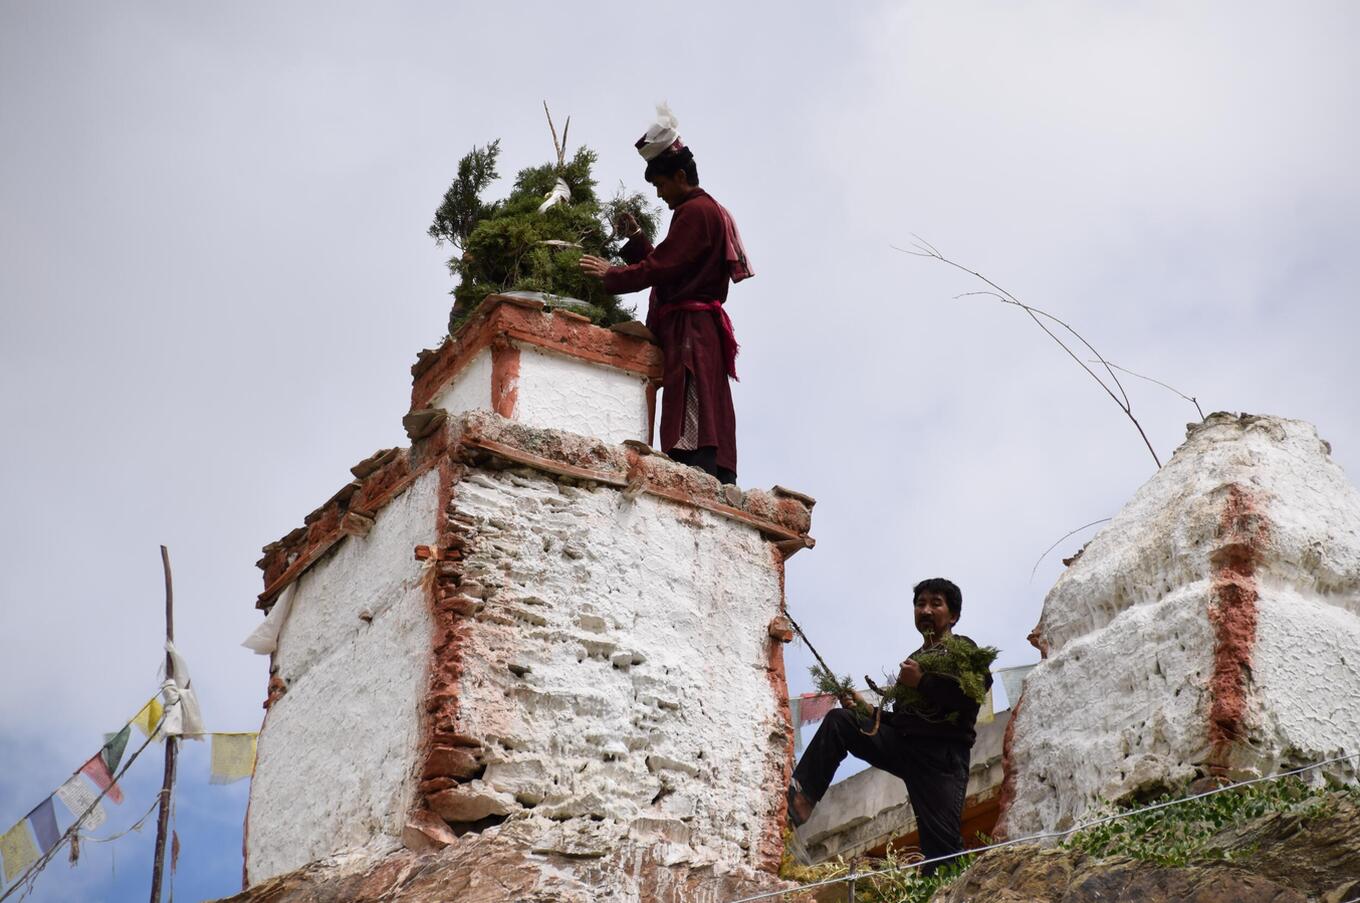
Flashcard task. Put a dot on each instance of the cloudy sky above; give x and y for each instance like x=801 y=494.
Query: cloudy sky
x=214 y=276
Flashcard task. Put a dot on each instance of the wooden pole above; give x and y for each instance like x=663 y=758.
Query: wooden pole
x=163 y=821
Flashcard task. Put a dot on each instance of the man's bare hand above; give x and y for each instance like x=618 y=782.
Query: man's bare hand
x=909 y=673
x=852 y=701
x=626 y=226
x=594 y=266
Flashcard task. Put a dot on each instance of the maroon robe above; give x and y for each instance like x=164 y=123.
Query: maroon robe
x=690 y=265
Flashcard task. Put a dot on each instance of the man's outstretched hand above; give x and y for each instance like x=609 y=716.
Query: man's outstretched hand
x=853 y=701
x=909 y=673
x=626 y=226
x=594 y=266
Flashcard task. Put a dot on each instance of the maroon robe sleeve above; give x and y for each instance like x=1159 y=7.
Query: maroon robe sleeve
x=636 y=248
x=683 y=247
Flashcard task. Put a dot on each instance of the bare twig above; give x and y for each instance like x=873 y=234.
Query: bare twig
x=1064 y=536
x=1190 y=398
x=923 y=248
x=559 y=147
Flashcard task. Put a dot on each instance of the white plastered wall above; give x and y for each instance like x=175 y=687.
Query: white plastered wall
x=470 y=389
x=338 y=754
x=1307 y=675
x=1123 y=700
x=559 y=392
x=566 y=393
x=1119 y=710
x=617 y=674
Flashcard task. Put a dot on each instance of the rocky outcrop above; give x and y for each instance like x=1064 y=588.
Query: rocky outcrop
x=492 y=868
x=1279 y=858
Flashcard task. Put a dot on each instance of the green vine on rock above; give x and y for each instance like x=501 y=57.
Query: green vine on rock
x=1190 y=832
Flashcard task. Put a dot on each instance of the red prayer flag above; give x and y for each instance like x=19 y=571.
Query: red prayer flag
x=814 y=706
x=97 y=771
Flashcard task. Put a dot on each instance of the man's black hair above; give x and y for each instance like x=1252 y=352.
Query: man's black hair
x=953 y=596
x=671 y=162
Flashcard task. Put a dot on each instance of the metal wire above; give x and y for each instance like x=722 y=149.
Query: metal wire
x=1045 y=835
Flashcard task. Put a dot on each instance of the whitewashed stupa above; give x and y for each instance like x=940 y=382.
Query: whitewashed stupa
x=527 y=658
x=1211 y=630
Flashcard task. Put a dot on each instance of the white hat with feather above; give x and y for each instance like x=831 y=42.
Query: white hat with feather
x=661 y=136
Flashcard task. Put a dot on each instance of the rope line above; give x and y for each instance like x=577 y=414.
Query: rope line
x=1044 y=835
x=141 y=822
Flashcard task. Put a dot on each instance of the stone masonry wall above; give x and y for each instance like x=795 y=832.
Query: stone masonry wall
x=614 y=672
x=535 y=648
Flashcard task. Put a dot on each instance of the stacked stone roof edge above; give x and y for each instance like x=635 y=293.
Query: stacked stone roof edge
x=481 y=437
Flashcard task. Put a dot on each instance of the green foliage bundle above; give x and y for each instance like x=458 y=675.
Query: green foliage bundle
x=823 y=681
x=1181 y=834
x=508 y=245
x=953 y=657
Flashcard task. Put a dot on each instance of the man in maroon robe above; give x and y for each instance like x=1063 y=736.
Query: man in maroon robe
x=689 y=274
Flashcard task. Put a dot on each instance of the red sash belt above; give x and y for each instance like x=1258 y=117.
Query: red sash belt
x=729 y=338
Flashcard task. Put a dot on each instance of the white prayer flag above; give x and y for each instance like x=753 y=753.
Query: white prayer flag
x=77 y=796
x=1013 y=679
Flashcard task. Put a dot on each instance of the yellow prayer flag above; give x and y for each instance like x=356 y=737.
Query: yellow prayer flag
x=233 y=757
x=986 y=713
x=150 y=716
x=18 y=850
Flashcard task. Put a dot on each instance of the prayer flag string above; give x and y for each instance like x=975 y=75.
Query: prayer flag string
x=31 y=841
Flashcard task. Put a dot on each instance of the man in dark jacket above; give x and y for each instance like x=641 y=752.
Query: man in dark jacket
x=927 y=745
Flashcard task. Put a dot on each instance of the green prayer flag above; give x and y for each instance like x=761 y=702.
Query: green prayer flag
x=114 y=744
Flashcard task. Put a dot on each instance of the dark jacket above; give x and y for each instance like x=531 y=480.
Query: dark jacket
x=945 y=697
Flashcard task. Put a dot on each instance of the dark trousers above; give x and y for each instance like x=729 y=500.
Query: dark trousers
x=935 y=772
x=706 y=459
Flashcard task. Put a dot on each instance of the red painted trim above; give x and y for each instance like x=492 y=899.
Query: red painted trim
x=771 y=844
x=298 y=551
x=1007 y=795
x=504 y=378
x=1243 y=533
x=452 y=628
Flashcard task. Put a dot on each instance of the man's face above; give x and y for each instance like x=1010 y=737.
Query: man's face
x=933 y=615
x=673 y=188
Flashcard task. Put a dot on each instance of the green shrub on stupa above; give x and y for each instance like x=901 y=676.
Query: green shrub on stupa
x=513 y=244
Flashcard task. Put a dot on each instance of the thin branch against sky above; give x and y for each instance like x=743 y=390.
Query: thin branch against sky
x=923 y=248
x=1041 y=558
x=1190 y=398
